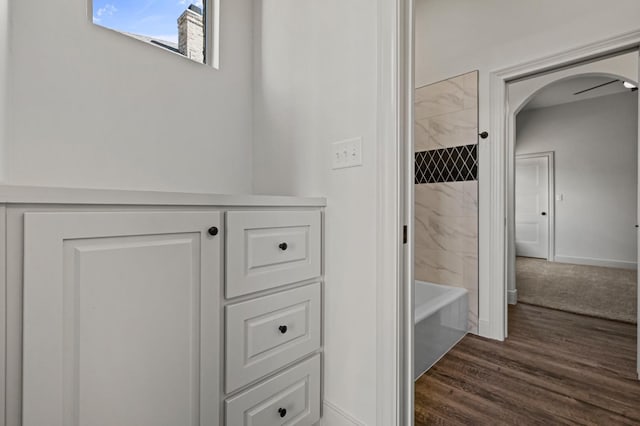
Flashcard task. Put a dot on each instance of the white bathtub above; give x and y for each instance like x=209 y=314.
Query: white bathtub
x=441 y=314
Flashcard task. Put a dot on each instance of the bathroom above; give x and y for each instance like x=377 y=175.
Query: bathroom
x=95 y=123
x=446 y=216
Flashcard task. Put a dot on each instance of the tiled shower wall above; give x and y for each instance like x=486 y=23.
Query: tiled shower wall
x=446 y=192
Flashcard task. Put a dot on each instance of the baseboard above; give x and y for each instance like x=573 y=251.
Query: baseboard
x=334 y=416
x=596 y=262
x=512 y=297
x=484 y=328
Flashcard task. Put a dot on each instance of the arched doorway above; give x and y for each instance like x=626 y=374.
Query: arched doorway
x=604 y=76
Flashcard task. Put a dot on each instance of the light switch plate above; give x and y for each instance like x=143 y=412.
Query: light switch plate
x=347 y=153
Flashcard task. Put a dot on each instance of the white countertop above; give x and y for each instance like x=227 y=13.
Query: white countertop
x=52 y=195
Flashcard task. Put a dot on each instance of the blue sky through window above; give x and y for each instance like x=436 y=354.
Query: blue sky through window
x=152 y=18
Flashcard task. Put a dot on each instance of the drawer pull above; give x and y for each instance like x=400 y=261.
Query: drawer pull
x=213 y=231
x=283 y=246
x=282 y=411
x=283 y=329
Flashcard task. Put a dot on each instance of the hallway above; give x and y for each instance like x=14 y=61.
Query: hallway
x=555 y=368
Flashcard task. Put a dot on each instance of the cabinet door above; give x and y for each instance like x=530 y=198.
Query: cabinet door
x=121 y=319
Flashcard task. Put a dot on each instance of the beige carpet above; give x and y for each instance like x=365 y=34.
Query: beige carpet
x=589 y=290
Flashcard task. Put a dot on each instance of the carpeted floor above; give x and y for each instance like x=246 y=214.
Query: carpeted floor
x=609 y=293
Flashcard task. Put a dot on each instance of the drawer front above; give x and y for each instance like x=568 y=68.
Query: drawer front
x=267 y=249
x=290 y=398
x=270 y=332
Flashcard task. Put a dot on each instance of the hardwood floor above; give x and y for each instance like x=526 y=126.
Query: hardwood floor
x=556 y=368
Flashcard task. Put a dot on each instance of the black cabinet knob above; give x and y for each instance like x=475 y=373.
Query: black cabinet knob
x=283 y=329
x=213 y=231
x=283 y=246
x=282 y=412
x=484 y=135
x=543 y=213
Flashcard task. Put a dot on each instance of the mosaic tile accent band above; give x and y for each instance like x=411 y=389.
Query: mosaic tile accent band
x=456 y=164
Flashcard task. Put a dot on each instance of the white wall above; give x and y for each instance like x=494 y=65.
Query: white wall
x=595 y=145
x=93 y=108
x=454 y=37
x=4 y=52
x=316 y=83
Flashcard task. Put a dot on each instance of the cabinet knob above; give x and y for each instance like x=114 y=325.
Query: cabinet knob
x=282 y=412
x=484 y=135
x=283 y=246
x=543 y=213
x=213 y=231
x=283 y=329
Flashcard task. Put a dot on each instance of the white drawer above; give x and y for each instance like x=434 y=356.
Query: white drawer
x=270 y=332
x=267 y=249
x=290 y=398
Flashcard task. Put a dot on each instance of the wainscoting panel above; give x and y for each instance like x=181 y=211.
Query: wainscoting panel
x=446 y=192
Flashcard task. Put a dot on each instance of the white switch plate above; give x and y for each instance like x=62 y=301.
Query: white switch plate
x=347 y=153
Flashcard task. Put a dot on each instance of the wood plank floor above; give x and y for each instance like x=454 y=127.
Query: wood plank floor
x=556 y=368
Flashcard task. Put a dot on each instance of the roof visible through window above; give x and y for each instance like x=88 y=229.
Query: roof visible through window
x=174 y=25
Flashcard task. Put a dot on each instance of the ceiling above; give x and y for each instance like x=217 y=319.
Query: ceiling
x=564 y=91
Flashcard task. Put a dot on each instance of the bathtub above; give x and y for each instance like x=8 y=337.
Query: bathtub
x=441 y=314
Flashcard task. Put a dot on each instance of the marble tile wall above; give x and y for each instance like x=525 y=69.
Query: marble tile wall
x=446 y=113
x=447 y=210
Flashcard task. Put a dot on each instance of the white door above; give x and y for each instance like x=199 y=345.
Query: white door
x=122 y=319
x=532 y=207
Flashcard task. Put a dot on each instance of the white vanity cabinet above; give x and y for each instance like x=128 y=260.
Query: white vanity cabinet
x=159 y=309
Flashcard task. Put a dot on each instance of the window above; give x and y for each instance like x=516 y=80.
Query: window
x=174 y=25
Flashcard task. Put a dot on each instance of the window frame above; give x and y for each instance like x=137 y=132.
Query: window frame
x=211 y=22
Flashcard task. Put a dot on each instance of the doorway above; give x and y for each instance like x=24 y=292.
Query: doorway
x=519 y=93
x=497 y=156
x=590 y=124
x=548 y=349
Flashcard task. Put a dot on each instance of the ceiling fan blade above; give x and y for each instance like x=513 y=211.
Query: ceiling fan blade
x=596 y=87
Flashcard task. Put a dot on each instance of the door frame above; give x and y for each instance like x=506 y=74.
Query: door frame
x=394 y=269
x=502 y=154
x=512 y=289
